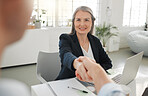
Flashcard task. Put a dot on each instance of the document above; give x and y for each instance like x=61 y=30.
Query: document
x=70 y=87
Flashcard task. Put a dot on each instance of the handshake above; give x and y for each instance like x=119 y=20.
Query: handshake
x=84 y=67
x=89 y=71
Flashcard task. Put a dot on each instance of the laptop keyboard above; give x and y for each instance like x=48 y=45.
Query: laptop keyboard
x=117 y=78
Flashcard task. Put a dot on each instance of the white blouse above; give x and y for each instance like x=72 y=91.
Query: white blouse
x=89 y=53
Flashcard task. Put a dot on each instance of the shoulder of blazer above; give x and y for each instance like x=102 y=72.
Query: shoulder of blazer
x=70 y=37
x=64 y=36
x=94 y=38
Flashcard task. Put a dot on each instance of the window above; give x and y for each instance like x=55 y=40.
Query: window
x=59 y=12
x=134 y=13
x=44 y=10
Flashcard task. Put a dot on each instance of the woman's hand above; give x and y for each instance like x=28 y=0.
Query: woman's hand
x=81 y=71
x=76 y=63
x=88 y=63
x=81 y=74
x=95 y=71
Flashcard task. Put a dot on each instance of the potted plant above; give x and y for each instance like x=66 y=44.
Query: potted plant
x=37 y=23
x=39 y=20
x=103 y=32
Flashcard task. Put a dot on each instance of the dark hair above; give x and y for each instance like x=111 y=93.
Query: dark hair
x=85 y=9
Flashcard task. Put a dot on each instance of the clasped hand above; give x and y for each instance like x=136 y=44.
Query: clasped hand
x=82 y=68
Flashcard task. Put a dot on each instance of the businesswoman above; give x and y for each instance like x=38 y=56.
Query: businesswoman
x=81 y=42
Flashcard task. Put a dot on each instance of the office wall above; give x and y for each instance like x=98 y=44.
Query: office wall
x=26 y=50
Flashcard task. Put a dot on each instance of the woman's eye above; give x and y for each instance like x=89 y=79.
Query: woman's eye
x=86 y=19
x=77 y=19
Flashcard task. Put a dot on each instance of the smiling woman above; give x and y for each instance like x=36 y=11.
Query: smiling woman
x=83 y=22
x=81 y=42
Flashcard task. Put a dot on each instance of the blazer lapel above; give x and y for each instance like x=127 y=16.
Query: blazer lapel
x=77 y=45
x=94 y=48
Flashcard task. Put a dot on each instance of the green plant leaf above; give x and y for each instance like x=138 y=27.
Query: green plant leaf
x=103 y=32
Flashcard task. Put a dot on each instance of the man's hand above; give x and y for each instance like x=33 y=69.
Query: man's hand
x=87 y=65
x=81 y=72
x=95 y=71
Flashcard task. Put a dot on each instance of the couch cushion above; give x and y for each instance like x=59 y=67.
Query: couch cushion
x=138 y=41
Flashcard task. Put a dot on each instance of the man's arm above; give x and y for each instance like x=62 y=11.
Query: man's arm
x=111 y=89
x=104 y=85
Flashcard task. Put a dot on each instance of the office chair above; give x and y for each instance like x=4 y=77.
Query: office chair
x=48 y=66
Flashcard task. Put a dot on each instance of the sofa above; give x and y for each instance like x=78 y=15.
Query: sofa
x=138 y=41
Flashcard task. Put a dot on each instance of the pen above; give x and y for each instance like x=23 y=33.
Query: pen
x=108 y=73
x=78 y=89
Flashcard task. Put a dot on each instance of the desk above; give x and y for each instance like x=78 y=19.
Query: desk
x=137 y=87
x=41 y=90
x=60 y=87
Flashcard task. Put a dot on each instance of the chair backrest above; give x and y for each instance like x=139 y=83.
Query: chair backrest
x=48 y=66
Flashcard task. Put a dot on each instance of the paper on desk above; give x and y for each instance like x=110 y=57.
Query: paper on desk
x=61 y=88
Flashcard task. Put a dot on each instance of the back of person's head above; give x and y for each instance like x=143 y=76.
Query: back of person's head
x=14 y=17
x=85 y=9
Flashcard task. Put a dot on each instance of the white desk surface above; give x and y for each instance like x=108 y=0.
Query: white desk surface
x=137 y=87
x=41 y=90
x=57 y=86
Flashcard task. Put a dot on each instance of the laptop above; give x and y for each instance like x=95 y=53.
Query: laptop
x=130 y=70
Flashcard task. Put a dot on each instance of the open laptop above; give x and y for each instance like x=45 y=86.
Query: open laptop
x=130 y=69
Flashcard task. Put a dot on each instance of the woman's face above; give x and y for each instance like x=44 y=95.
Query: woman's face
x=82 y=22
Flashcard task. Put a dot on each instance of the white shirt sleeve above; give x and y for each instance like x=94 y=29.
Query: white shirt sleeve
x=111 y=89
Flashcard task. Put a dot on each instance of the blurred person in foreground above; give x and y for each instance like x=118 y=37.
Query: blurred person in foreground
x=14 y=17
